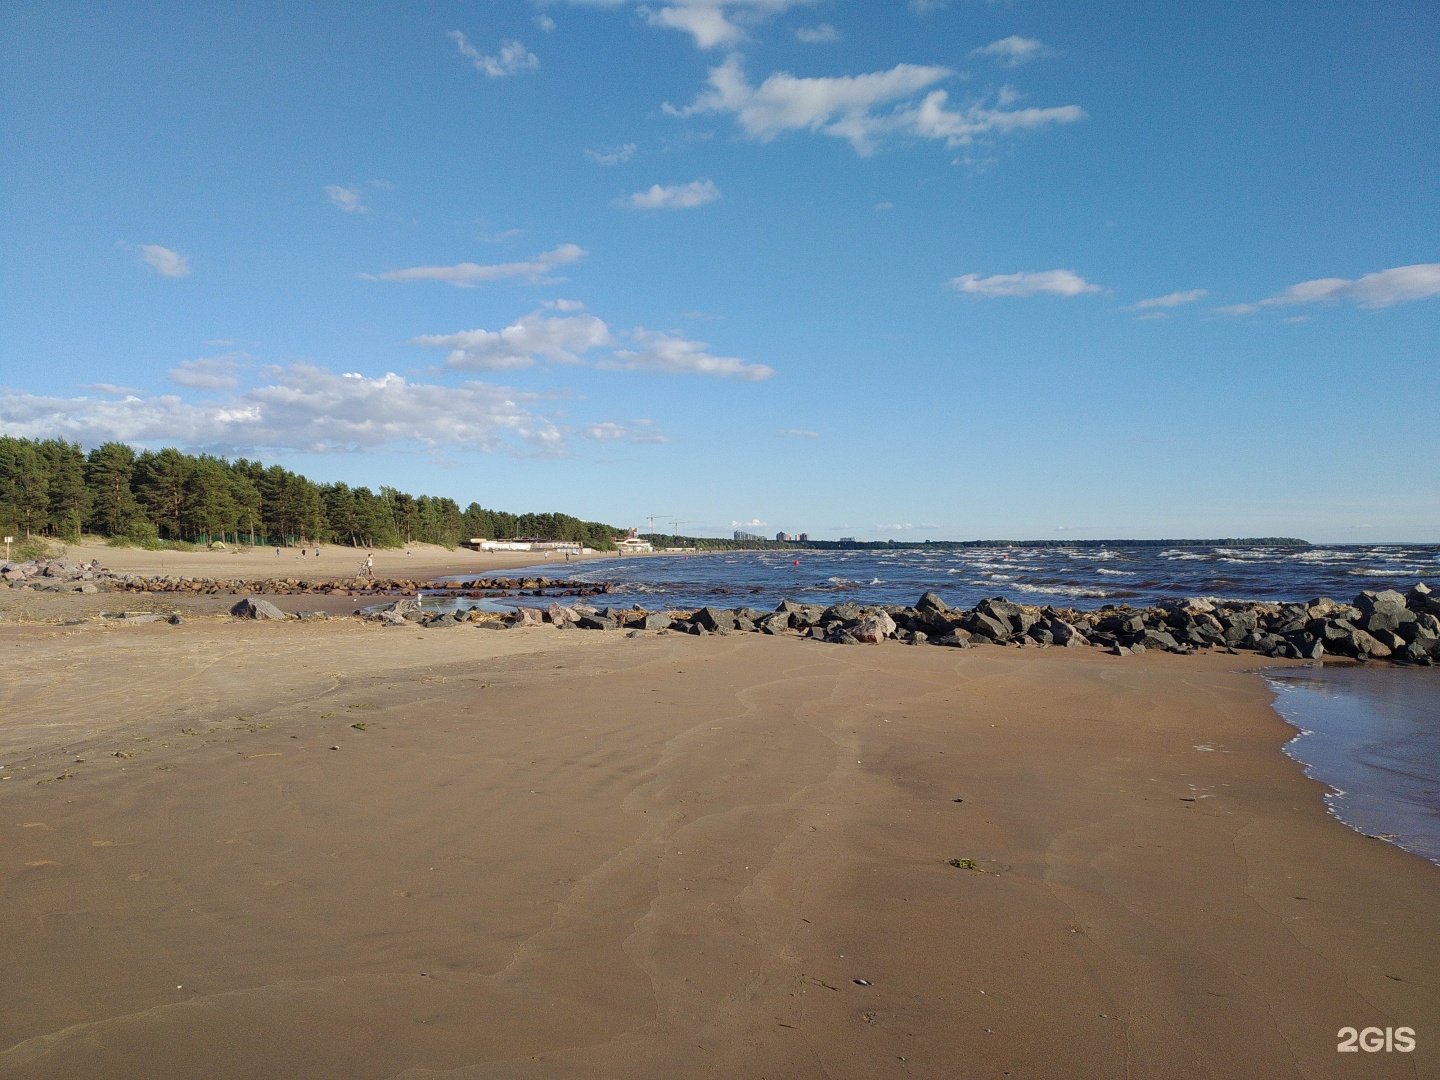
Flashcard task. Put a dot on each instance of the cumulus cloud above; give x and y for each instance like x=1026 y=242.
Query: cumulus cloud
x=849 y=106
x=614 y=155
x=716 y=22
x=346 y=198
x=208 y=372
x=513 y=57
x=560 y=339
x=674 y=197
x=797 y=433
x=467 y=275
x=1169 y=300
x=664 y=353
x=165 y=262
x=753 y=523
x=1052 y=282
x=303 y=408
x=1384 y=288
x=1012 y=51
x=824 y=34
x=906 y=527
x=546 y=23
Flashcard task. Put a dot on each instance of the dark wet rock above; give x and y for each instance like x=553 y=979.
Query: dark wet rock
x=596 y=622
x=982 y=624
x=713 y=619
x=251 y=608
x=956 y=639
x=932 y=603
x=175 y=620
x=843 y=612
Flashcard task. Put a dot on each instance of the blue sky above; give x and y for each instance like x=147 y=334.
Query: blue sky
x=946 y=269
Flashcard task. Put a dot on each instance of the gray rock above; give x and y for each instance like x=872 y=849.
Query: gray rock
x=873 y=628
x=956 y=639
x=713 y=619
x=932 y=603
x=655 y=620
x=87 y=588
x=257 y=608
x=311 y=615
x=528 y=616
x=595 y=622
x=175 y=620
x=843 y=612
x=561 y=615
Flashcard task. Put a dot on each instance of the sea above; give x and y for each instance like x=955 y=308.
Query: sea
x=1371 y=734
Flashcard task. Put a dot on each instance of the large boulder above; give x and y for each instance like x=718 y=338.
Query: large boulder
x=257 y=608
x=981 y=624
x=712 y=619
x=527 y=616
x=596 y=622
x=931 y=602
x=560 y=615
x=873 y=628
x=654 y=620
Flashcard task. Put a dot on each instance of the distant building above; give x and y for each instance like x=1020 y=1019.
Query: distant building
x=739 y=535
x=847 y=540
x=477 y=543
x=804 y=538
x=633 y=545
x=781 y=537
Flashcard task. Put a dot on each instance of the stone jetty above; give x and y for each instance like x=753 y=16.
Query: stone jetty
x=1404 y=628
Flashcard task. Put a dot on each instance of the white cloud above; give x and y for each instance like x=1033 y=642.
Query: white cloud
x=846 y=106
x=716 y=22
x=675 y=197
x=1053 y=282
x=824 y=34
x=467 y=275
x=513 y=57
x=927 y=7
x=110 y=389
x=634 y=431
x=614 y=155
x=305 y=409
x=659 y=352
x=1169 y=300
x=753 y=523
x=558 y=339
x=1012 y=51
x=165 y=262
x=564 y=305
x=208 y=372
x=346 y=199
x=797 y=433
x=1384 y=288
x=546 y=23
x=887 y=205
x=906 y=527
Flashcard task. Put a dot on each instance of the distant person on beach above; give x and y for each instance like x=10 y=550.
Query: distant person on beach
x=370 y=564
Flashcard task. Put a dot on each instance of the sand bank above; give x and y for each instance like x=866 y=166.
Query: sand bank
x=560 y=854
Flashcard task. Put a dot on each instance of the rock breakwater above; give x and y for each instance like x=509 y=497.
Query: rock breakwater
x=1404 y=628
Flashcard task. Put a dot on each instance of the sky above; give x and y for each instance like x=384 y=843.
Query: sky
x=943 y=269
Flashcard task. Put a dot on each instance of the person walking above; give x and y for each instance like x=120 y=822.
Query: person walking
x=370 y=564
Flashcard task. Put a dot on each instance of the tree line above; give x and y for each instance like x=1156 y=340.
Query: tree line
x=53 y=488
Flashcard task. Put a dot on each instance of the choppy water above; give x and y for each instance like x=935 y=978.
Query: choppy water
x=1064 y=577
x=1373 y=736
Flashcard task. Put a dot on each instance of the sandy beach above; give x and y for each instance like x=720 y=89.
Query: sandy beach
x=334 y=850
x=334 y=560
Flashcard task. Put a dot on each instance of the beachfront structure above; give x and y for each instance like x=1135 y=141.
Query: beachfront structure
x=571 y=547
x=633 y=545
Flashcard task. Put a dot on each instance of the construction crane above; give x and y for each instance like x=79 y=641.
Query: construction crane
x=676 y=534
x=651 y=519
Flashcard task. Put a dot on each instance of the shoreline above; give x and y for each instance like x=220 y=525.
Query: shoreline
x=544 y=854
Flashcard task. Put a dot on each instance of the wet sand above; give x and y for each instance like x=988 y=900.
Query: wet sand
x=565 y=854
